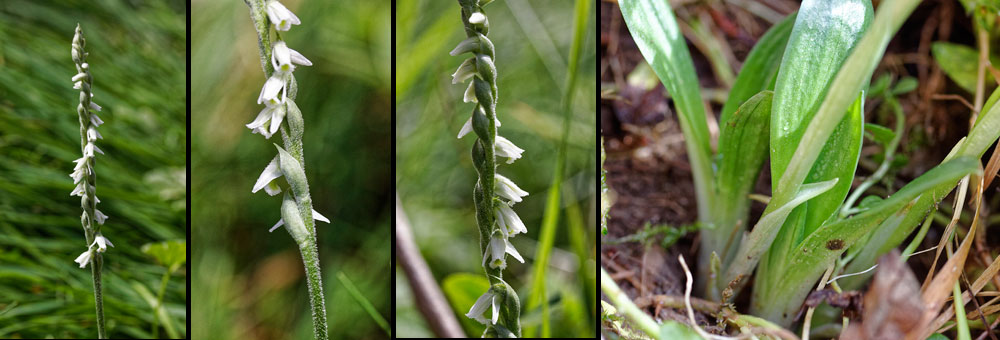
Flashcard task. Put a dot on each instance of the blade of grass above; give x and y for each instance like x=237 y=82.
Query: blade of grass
x=361 y=300
x=550 y=218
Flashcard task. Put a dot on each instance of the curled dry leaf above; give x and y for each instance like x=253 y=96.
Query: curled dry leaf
x=892 y=306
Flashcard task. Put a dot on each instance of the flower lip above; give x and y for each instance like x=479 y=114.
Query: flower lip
x=507 y=189
x=505 y=148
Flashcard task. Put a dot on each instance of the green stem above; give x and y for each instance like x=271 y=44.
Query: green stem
x=159 y=302
x=310 y=257
x=95 y=270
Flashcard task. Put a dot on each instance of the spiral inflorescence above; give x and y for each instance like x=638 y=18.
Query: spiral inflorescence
x=494 y=195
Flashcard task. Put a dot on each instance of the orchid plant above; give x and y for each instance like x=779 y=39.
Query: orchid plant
x=799 y=100
x=85 y=177
x=281 y=114
x=494 y=194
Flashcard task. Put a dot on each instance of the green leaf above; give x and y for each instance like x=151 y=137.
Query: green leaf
x=675 y=330
x=462 y=290
x=959 y=62
x=742 y=151
x=170 y=254
x=879 y=86
x=820 y=249
x=658 y=37
x=905 y=85
x=937 y=336
x=765 y=231
x=879 y=133
x=759 y=69
x=823 y=36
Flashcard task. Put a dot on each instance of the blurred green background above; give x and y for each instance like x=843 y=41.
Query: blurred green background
x=434 y=172
x=248 y=283
x=137 y=57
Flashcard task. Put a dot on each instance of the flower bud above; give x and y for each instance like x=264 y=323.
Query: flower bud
x=293 y=221
x=294 y=174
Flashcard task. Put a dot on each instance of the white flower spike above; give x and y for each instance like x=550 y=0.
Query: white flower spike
x=280 y=16
x=484 y=302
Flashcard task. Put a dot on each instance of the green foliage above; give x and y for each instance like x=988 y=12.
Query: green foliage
x=137 y=56
x=759 y=69
x=170 y=254
x=959 y=62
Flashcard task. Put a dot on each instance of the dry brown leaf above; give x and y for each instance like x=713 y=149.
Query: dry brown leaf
x=892 y=306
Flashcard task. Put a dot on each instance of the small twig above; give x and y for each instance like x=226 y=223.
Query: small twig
x=690 y=311
x=430 y=299
x=956 y=97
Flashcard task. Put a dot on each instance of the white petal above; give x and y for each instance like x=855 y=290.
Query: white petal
x=300 y=59
x=94 y=119
x=477 y=18
x=100 y=216
x=498 y=215
x=83 y=259
x=513 y=252
x=262 y=118
x=78 y=77
x=281 y=17
x=98 y=149
x=466 y=128
x=78 y=85
x=88 y=150
x=482 y=304
x=466 y=45
x=95 y=107
x=514 y=223
x=470 y=94
x=270 y=173
x=77 y=175
x=276 y=225
x=498 y=245
x=465 y=71
x=317 y=216
x=93 y=134
x=496 y=311
x=270 y=90
x=281 y=55
x=507 y=189
x=79 y=190
x=276 y=117
x=504 y=148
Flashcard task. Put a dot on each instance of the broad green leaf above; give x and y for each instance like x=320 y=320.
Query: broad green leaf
x=823 y=36
x=765 y=230
x=655 y=31
x=841 y=93
x=742 y=151
x=821 y=248
x=759 y=69
x=960 y=63
x=879 y=133
x=170 y=254
x=983 y=135
x=838 y=159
